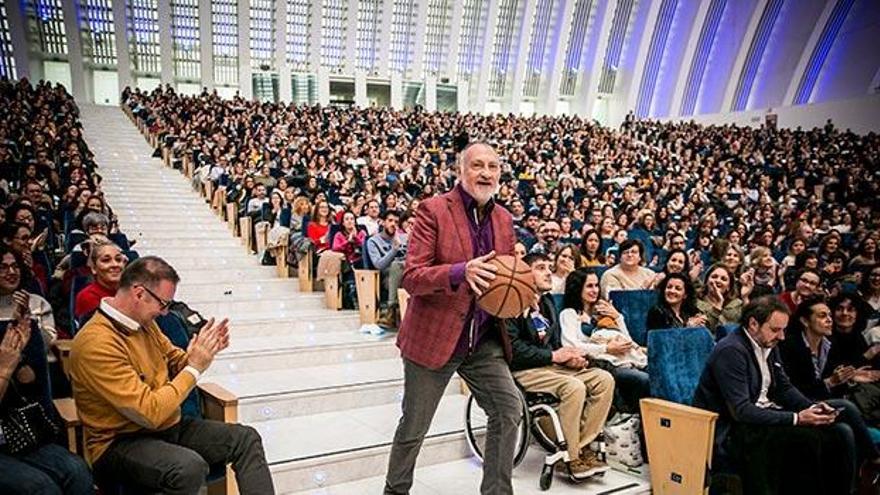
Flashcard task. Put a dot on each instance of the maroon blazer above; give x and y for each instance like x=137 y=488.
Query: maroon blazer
x=436 y=312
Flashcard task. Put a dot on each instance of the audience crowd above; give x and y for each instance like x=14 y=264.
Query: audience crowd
x=702 y=220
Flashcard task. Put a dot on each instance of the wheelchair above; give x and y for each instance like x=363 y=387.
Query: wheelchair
x=538 y=408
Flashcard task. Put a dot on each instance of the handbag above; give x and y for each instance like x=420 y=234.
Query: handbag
x=622 y=442
x=28 y=427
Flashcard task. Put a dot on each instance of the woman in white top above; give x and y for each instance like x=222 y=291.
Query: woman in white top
x=593 y=325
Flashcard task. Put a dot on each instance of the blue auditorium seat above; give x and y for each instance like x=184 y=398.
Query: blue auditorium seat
x=722 y=331
x=634 y=306
x=676 y=358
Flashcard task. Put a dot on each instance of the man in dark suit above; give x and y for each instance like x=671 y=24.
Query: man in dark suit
x=777 y=439
x=444 y=332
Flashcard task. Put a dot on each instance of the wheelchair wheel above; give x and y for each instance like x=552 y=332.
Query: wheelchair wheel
x=475 y=420
x=540 y=425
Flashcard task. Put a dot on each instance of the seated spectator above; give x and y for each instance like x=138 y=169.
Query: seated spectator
x=680 y=261
x=629 y=274
x=719 y=301
x=765 y=269
x=47 y=467
x=867 y=254
x=778 y=440
x=299 y=243
x=349 y=240
x=17 y=238
x=805 y=352
x=106 y=262
x=548 y=238
x=540 y=363
x=594 y=326
x=277 y=218
x=319 y=226
x=590 y=249
x=387 y=254
x=676 y=305
x=129 y=383
x=371 y=219
x=808 y=284
x=848 y=343
x=567 y=260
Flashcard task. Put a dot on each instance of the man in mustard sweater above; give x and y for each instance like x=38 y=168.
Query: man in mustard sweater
x=129 y=383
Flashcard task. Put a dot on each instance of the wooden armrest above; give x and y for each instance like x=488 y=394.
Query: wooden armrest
x=64 y=346
x=219 y=404
x=68 y=412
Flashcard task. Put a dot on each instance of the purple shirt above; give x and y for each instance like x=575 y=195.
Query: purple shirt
x=483 y=242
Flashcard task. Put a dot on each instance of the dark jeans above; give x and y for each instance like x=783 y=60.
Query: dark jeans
x=486 y=373
x=49 y=470
x=631 y=385
x=802 y=459
x=177 y=460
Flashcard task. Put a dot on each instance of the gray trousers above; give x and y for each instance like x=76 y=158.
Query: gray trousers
x=393 y=276
x=176 y=461
x=488 y=377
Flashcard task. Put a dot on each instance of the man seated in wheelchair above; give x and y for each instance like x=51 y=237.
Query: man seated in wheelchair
x=386 y=251
x=542 y=364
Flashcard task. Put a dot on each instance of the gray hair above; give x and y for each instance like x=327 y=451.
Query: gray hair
x=95 y=219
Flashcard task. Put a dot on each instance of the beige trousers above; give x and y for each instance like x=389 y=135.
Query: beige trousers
x=585 y=399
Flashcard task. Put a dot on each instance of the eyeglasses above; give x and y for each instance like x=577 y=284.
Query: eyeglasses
x=163 y=304
x=9 y=267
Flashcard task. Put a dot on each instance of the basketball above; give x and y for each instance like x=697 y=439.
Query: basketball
x=512 y=291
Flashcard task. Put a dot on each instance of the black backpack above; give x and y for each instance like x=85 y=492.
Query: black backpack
x=192 y=319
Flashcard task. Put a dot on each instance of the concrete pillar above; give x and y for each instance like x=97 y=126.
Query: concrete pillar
x=206 y=44
x=521 y=60
x=360 y=88
x=418 y=64
x=548 y=94
x=285 y=89
x=451 y=69
x=484 y=73
x=21 y=51
x=245 y=83
x=385 y=41
x=166 y=43
x=430 y=90
x=120 y=37
x=463 y=96
x=75 y=53
x=323 y=86
x=396 y=91
x=350 y=61
x=315 y=35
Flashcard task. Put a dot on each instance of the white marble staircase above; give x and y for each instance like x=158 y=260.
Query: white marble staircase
x=325 y=397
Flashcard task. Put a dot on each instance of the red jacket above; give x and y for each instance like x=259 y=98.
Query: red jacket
x=435 y=315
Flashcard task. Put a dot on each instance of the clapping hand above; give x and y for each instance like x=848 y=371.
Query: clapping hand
x=22 y=310
x=16 y=337
x=866 y=375
x=213 y=338
x=697 y=321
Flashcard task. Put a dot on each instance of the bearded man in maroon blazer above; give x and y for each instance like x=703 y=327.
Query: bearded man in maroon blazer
x=444 y=332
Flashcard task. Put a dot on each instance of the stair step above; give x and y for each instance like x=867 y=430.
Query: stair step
x=292 y=304
x=211 y=290
x=251 y=326
x=335 y=447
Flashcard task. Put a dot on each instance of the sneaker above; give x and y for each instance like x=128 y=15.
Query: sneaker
x=592 y=462
x=578 y=470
